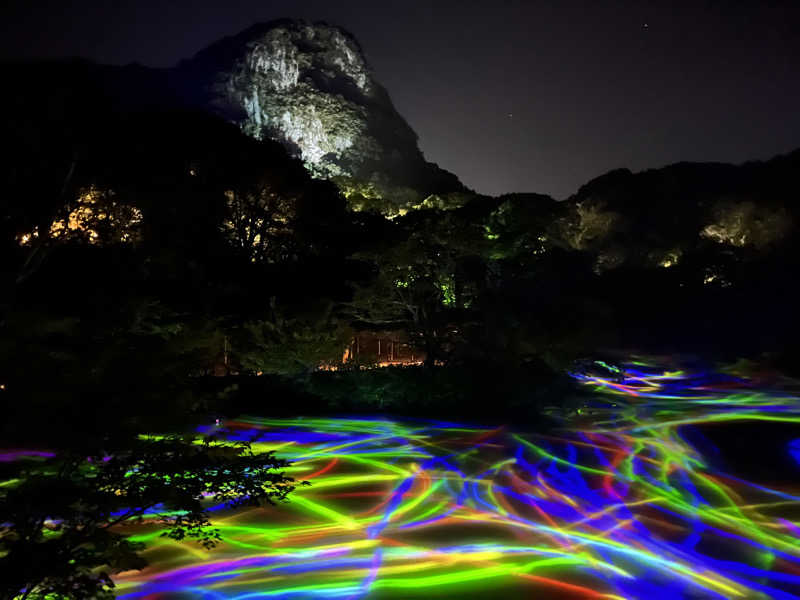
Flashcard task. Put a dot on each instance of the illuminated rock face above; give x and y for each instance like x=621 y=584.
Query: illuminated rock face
x=286 y=81
x=309 y=87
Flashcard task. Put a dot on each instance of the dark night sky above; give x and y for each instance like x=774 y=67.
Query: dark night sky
x=509 y=95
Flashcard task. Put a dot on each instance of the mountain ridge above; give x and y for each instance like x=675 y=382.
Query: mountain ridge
x=309 y=86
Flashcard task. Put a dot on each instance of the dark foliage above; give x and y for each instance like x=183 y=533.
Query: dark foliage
x=60 y=535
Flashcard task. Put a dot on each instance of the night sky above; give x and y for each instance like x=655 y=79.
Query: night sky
x=509 y=95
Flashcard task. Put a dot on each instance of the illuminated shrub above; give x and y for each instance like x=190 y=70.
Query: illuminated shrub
x=668 y=259
x=588 y=223
x=745 y=223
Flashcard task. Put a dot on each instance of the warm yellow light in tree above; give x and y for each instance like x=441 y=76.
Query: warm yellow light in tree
x=96 y=218
x=25 y=239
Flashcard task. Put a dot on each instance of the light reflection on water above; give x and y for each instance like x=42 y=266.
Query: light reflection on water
x=617 y=503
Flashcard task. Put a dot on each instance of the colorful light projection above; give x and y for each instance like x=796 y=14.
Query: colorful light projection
x=794 y=450
x=617 y=504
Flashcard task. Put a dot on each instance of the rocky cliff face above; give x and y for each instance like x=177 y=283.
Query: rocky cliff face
x=309 y=87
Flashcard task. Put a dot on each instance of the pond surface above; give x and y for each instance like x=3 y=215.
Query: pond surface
x=665 y=484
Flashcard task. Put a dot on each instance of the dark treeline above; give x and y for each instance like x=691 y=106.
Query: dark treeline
x=145 y=241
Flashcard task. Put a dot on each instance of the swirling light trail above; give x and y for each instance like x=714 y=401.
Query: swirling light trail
x=616 y=504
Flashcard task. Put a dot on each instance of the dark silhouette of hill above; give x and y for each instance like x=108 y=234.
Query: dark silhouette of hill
x=692 y=255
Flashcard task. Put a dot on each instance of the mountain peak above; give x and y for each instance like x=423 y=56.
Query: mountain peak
x=309 y=86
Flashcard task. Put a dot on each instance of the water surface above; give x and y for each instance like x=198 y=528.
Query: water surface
x=664 y=484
